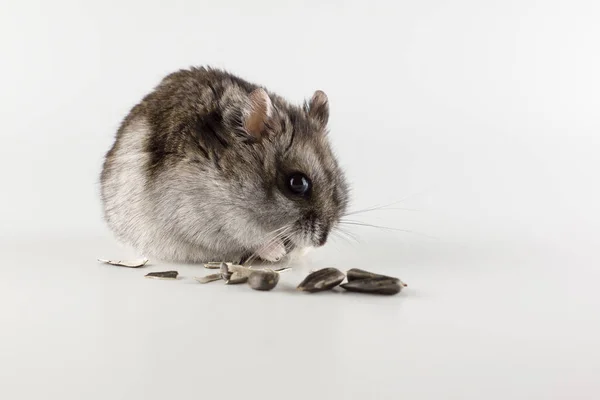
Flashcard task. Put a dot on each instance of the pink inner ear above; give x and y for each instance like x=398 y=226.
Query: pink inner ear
x=259 y=107
x=319 y=99
x=319 y=106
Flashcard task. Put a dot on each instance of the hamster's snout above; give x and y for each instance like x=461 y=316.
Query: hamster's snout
x=323 y=237
x=315 y=229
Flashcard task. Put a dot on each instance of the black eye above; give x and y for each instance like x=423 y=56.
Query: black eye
x=299 y=184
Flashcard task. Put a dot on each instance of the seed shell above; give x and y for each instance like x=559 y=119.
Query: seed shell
x=225 y=272
x=236 y=278
x=163 y=275
x=127 y=264
x=209 y=278
x=212 y=265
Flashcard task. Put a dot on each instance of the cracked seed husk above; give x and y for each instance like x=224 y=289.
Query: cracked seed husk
x=356 y=274
x=241 y=271
x=212 y=265
x=225 y=272
x=323 y=279
x=209 y=278
x=382 y=285
x=162 y=275
x=263 y=279
x=127 y=264
x=236 y=278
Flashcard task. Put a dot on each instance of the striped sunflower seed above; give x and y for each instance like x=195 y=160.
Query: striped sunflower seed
x=356 y=274
x=378 y=285
x=323 y=279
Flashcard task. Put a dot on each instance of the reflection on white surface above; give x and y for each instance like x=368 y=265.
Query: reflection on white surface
x=481 y=321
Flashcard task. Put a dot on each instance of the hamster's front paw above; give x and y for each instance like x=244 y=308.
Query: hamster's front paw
x=272 y=252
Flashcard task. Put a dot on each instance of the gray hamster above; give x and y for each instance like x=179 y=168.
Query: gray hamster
x=211 y=167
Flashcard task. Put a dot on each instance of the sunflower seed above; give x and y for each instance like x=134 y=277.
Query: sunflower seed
x=127 y=264
x=263 y=279
x=163 y=275
x=323 y=279
x=382 y=285
x=356 y=274
x=209 y=278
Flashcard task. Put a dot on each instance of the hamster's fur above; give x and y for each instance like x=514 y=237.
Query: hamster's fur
x=200 y=171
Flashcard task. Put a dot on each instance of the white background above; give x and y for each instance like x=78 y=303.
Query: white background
x=481 y=115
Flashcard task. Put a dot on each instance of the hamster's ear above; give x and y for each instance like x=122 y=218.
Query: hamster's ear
x=318 y=107
x=257 y=112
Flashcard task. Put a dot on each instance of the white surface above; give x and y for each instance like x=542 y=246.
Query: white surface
x=485 y=114
x=475 y=322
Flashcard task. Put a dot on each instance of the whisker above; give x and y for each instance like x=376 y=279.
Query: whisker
x=358 y=223
x=387 y=205
x=279 y=236
x=382 y=208
x=271 y=237
x=348 y=238
x=346 y=234
x=338 y=235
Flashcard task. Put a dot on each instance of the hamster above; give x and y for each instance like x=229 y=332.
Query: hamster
x=209 y=166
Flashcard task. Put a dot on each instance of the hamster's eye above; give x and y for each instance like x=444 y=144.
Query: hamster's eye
x=299 y=184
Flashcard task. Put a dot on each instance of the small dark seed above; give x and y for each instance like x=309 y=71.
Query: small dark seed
x=263 y=279
x=323 y=279
x=374 y=285
x=163 y=275
x=356 y=274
